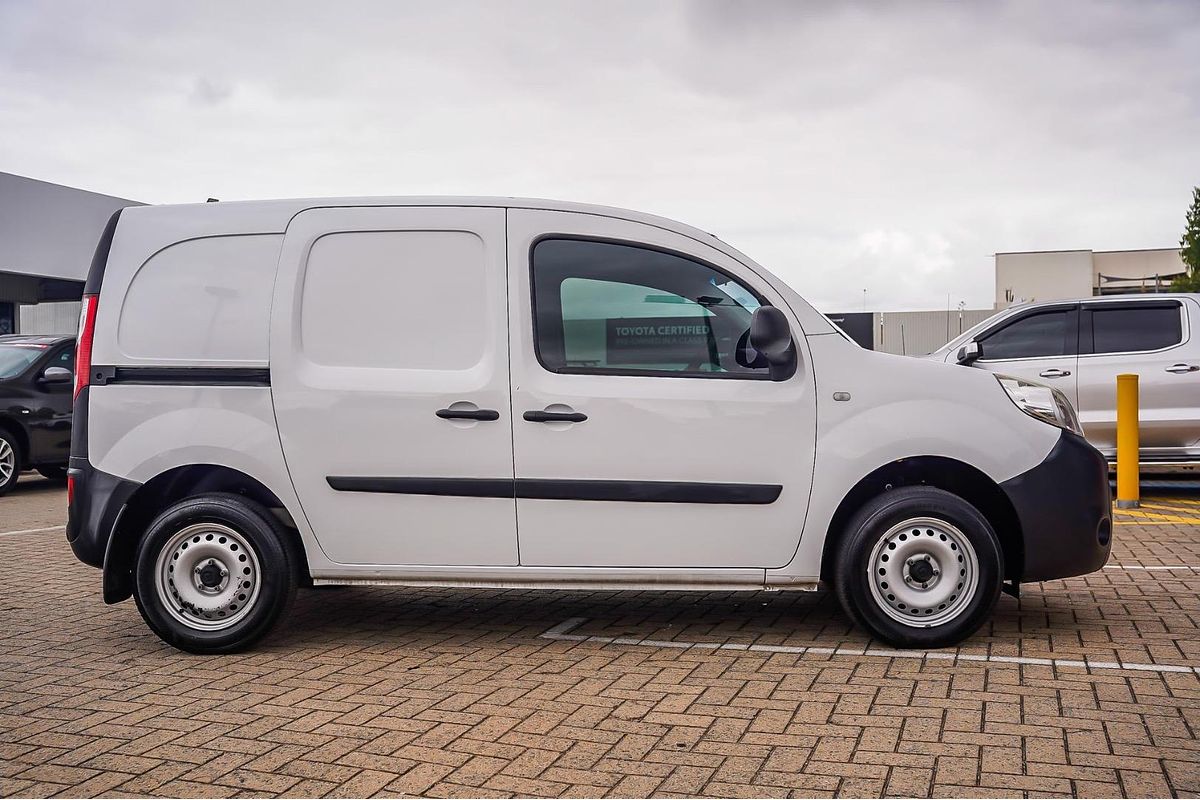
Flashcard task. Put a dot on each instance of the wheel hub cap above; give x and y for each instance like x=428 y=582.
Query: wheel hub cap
x=923 y=572
x=207 y=576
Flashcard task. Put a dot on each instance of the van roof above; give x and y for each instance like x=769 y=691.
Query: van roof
x=160 y=226
x=279 y=212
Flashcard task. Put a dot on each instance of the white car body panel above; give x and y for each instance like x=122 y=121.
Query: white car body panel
x=319 y=420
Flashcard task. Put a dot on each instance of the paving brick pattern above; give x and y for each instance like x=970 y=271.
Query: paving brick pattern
x=379 y=691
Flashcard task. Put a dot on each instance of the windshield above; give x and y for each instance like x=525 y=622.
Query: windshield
x=15 y=358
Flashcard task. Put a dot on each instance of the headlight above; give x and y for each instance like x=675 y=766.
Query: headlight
x=1040 y=401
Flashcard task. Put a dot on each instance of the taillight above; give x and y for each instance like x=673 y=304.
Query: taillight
x=83 y=346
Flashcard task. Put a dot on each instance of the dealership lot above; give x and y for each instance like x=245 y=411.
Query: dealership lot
x=1087 y=686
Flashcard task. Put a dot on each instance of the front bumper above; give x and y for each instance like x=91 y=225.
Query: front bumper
x=1064 y=506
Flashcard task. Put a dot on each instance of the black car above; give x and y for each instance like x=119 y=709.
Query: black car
x=36 y=378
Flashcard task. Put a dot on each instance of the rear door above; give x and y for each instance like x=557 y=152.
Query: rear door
x=1040 y=345
x=389 y=372
x=1152 y=339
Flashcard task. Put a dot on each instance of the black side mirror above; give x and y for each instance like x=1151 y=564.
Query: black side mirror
x=970 y=353
x=57 y=375
x=771 y=335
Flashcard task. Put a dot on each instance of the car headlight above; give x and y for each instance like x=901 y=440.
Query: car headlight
x=1041 y=402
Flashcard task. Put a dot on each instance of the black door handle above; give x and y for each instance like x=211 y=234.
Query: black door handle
x=554 y=416
x=482 y=414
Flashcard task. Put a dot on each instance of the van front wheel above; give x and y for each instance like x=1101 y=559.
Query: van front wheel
x=919 y=567
x=214 y=573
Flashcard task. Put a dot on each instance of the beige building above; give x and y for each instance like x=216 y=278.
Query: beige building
x=1072 y=274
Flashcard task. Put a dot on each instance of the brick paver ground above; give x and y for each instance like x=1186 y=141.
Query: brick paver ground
x=375 y=691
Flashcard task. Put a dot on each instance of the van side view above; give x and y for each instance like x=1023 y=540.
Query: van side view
x=523 y=393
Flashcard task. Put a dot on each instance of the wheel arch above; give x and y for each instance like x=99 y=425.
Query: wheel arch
x=168 y=488
x=948 y=474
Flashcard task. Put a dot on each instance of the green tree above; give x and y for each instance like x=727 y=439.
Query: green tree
x=1189 y=249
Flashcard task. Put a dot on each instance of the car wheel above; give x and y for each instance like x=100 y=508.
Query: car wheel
x=214 y=573
x=53 y=473
x=10 y=461
x=919 y=567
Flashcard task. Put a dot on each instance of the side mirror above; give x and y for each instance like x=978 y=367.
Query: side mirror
x=57 y=375
x=969 y=353
x=771 y=336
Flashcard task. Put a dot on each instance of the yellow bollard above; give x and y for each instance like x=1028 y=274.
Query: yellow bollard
x=1128 y=489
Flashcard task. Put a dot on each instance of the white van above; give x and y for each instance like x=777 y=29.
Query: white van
x=518 y=393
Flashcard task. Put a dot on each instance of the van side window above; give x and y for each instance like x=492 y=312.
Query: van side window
x=608 y=308
x=1037 y=335
x=1133 y=328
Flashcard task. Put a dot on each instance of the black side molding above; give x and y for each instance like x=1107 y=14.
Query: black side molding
x=182 y=376
x=558 y=489
x=649 y=491
x=441 y=487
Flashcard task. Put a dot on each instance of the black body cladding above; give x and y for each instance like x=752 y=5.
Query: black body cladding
x=553 y=489
x=1064 y=505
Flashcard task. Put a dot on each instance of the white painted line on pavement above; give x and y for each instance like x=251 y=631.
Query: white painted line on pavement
x=1132 y=566
x=561 y=632
x=33 y=530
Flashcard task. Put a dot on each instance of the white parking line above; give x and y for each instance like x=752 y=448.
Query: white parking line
x=33 y=530
x=561 y=632
x=1132 y=566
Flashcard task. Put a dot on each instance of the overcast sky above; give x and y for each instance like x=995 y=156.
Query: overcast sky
x=886 y=146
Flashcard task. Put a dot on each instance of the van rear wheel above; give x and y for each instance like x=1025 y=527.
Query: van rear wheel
x=214 y=573
x=919 y=567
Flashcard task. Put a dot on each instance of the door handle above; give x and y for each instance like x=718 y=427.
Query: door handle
x=1054 y=373
x=1180 y=369
x=481 y=414
x=553 y=416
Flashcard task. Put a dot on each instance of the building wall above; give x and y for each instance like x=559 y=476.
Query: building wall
x=915 y=333
x=1029 y=277
x=1139 y=266
x=50 y=318
x=1075 y=274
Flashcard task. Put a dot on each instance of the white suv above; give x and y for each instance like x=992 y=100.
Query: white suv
x=522 y=393
x=1079 y=347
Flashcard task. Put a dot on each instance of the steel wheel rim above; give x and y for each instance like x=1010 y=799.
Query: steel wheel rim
x=8 y=461
x=207 y=576
x=923 y=572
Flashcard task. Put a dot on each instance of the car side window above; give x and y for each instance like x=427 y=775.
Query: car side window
x=1135 y=327
x=65 y=359
x=611 y=308
x=1037 y=335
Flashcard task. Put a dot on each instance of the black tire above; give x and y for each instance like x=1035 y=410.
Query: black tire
x=58 y=474
x=9 y=444
x=855 y=575
x=275 y=580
